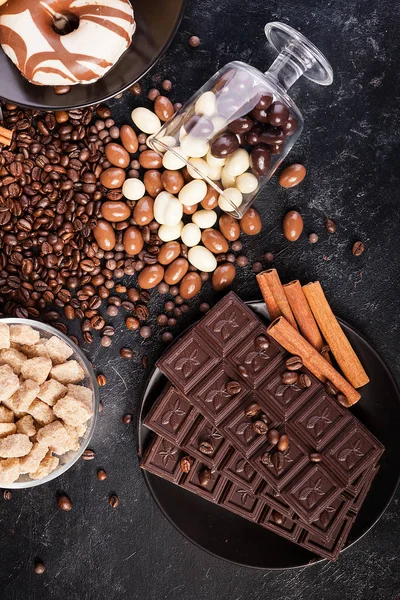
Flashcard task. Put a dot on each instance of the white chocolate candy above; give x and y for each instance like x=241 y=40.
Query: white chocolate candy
x=194 y=147
x=214 y=173
x=167 y=209
x=159 y=144
x=146 y=120
x=202 y=259
x=193 y=192
x=174 y=160
x=133 y=189
x=206 y=104
x=238 y=162
x=204 y=218
x=191 y=234
x=201 y=165
x=168 y=233
x=247 y=183
x=215 y=162
x=234 y=195
x=219 y=124
x=227 y=179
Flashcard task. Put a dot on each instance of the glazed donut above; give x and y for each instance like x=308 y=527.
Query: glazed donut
x=29 y=36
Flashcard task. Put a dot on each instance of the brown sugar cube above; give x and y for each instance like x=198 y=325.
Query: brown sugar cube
x=24 y=334
x=13 y=405
x=26 y=425
x=53 y=435
x=15 y=445
x=81 y=393
x=6 y=415
x=28 y=391
x=81 y=429
x=72 y=410
x=9 y=382
x=14 y=358
x=9 y=471
x=58 y=350
x=4 y=336
x=36 y=350
x=68 y=372
x=51 y=391
x=7 y=429
x=73 y=438
x=31 y=462
x=48 y=464
x=36 y=368
x=41 y=412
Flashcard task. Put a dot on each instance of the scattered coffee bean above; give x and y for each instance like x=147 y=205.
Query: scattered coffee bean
x=204 y=477
x=273 y=436
x=252 y=410
x=289 y=377
x=88 y=455
x=186 y=464
x=283 y=443
x=101 y=475
x=233 y=387
x=294 y=363
x=330 y=226
x=128 y=418
x=304 y=381
x=64 y=503
x=132 y=323
x=206 y=448
x=260 y=427
x=7 y=495
x=145 y=361
x=358 y=248
x=39 y=568
x=136 y=89
x=126 y=353
x=315 y=457
x=114 y=502
x=194 y=41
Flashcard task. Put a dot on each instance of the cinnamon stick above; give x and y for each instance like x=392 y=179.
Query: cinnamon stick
x=293 y=342
x=5 y=136
x=303 y=315
x=274 y=296
x=340 y=346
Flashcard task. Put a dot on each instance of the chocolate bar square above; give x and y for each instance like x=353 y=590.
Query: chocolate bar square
x=171 y=416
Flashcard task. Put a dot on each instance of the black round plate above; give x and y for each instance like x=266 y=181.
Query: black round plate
x=232 y=538
x=156 y=24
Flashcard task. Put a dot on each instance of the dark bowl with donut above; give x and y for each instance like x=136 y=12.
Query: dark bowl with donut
x=157 y=22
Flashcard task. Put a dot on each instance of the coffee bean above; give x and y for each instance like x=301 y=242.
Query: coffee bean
x=261 y=343
x=204 y=477
x=114 y=502
x=186 y=464
x=101 y=380
x=206 y=448
x=64 y=503
x=278 y=460
x=243 y=371
x=252 y=410
x=39 y=568
x=341 y=398
x=289 y=377
x=330 y=226
x=273 y=436
x=7 y=495
x=260 y=427
x=330 y=388
x=132 y=323
x=358 y=248
x=315 y=457
x=233 y=388
x=304 y=381
x=277 y=517
x=126 y=419
x=294 y=363
x=88 y=455
x=126 y=353
x=101 y=475
x=283 y=443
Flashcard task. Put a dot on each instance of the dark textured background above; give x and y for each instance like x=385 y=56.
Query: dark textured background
x=350 y=149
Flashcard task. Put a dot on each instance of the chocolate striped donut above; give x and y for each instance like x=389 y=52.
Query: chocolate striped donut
x=45 y=57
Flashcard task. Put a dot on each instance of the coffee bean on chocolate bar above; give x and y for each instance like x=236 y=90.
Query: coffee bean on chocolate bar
x=294 y=363
x=266 y=459
x=277 y=517
x=341 y=398
x=330 y=388
x=263 y=417
x=186 y=464
x=233 y=387
x=289 y=377
x=315 y=457
x=243 y=371
x=204 y=477
x=358 y=248
x=260 y=427
x=261 y=343
x=283 y=443
x=206 y=448
x=273 y=436
x=252 y=410
x=278 y=460
x=304 y=381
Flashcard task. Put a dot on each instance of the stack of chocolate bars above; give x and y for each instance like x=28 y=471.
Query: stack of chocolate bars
x=244 y=425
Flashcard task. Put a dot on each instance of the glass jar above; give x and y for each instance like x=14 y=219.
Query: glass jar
x=238 y=127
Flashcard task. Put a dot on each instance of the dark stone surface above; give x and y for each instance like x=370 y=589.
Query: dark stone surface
x=349 y=147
